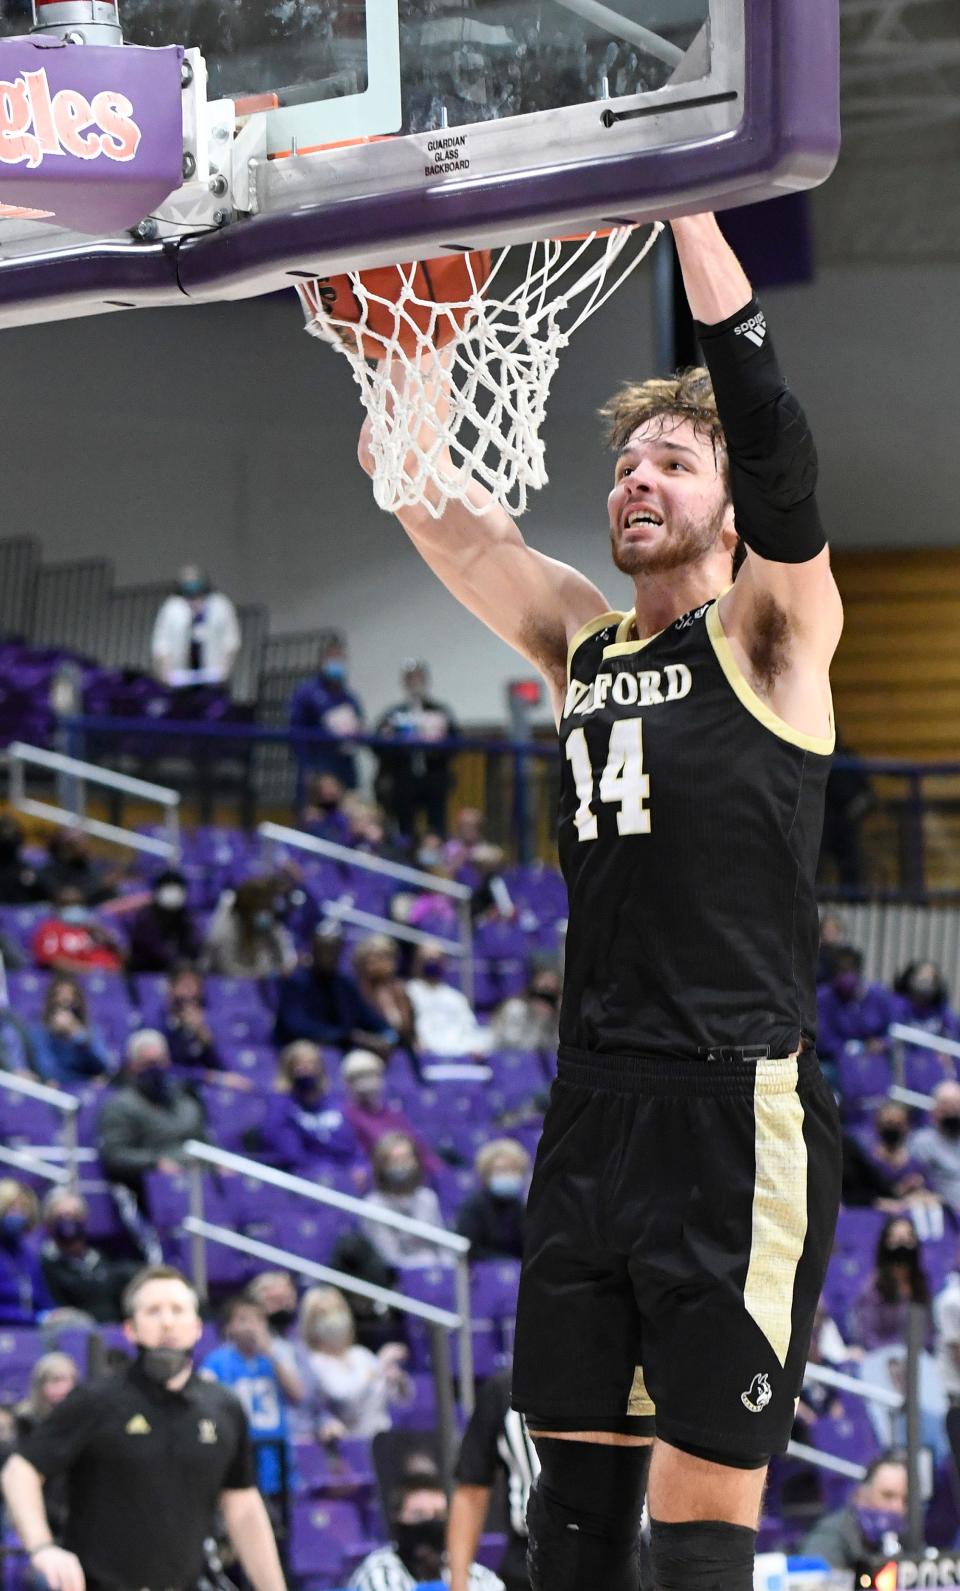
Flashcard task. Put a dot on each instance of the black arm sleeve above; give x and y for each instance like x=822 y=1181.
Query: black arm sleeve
x=773 y=460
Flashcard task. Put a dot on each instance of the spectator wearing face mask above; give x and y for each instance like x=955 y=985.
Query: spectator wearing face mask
x=276 y=1293
x=936 y=1147
x=148 y=1117
x=65 y=1052
x=446 y=1025
x=322 y=1003
x=413 y=779
x=326 y=703
x=353 y=1385
x=880 y=1313
x=193 y=1052
x=245 y=1362
x=72 y=940
x=399 y=1186
x=871 y=1523
x=303 y=1128
x=23 y=1291
x=417 y=1552
x=851 y=1011
x=77 y=1275
x=371 y=1114
x=891 y=1154
x=163 y=933
x=922 y=1001
x=322 y=814
x=196 y=634
x=531 y=1021
x=493 y=1217
x=20 y=883
x=245 y=939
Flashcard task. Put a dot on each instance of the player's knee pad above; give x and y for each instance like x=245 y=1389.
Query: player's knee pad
x=584 y=1515
x=702 y=1555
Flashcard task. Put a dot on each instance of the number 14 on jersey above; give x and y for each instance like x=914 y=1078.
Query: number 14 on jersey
x=623 y=782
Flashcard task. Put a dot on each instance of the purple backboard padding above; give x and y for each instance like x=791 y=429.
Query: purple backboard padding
x=788 y=139
x=137 y=154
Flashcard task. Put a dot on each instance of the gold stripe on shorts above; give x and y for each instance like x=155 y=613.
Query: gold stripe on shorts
x=779 y=1204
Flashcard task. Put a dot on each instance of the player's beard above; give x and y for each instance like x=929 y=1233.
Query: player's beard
x=687 y=541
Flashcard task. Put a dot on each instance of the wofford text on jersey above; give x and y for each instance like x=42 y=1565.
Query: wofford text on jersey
x=651 y=688
x=35 y=123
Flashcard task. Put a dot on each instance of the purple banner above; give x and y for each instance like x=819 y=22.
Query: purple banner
x=91 y=137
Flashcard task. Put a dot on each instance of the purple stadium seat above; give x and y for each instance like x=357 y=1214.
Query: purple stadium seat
x=421 y=1414
x=923 y=1069
x=29 y=1121
x=20 y=1348
x=864 y=1082
x=326 y=1538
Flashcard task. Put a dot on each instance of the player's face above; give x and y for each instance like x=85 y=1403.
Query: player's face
x=669 y=502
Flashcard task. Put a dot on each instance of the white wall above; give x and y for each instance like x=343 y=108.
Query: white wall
x=226 y=434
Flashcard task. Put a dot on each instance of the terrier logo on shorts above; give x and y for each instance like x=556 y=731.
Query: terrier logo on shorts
x=757 y=1395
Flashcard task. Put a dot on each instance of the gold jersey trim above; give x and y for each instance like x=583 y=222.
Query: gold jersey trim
x=639 y=1403
x=821 y=744
x=623 y=646
x=592 y=627
x=779 y=1225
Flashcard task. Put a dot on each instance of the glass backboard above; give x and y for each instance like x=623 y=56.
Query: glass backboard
x=338 y=133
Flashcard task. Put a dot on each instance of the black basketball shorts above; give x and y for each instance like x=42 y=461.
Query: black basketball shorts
x=679 y=1224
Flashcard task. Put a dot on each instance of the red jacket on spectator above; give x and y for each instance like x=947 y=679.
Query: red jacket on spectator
x=56 y=941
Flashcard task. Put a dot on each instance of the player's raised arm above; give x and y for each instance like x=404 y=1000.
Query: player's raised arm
x=772 y=458
x=534 y=603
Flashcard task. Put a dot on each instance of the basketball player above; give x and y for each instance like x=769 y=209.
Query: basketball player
x=688 y=1177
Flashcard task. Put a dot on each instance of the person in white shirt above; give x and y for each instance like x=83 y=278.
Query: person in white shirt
x=352 y=1387
x=445 y=1022
x=416 y=1556
x=196 y=636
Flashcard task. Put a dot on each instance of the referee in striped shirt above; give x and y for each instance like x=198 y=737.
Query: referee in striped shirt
x=496 y=1439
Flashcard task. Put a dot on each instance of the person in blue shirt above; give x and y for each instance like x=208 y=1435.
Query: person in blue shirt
x=326 y=702
x=302 y=1126
x=65 y=1051
x=323 y=1004
x=23 y=1291
x=245 y=1362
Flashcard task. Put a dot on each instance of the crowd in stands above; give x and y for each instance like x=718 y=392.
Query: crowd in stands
x=229 y=1004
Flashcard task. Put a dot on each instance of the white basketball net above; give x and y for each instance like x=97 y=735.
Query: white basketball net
x=473 y=411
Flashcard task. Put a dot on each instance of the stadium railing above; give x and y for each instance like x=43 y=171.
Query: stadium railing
x=910 y=824
x=201 y=1231
x=32 y=1159
x=73 y=776
x=462 y=948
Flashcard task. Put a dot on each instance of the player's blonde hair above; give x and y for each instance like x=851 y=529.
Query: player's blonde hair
x=686 y=396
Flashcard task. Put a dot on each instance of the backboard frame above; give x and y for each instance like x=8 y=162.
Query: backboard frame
x=772 y=128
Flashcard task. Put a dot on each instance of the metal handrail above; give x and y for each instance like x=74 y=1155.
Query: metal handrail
x=81 y=774
x=388 y=1296
x=195 y=1150
x=24 y=1160
x=905 y=1034
x=871 y=1391
x=68 y=1106
x=821 y=1460
x=436 y=1318
x=336 y=911
x=279 y=834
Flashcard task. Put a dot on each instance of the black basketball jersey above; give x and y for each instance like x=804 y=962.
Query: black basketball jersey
x=690 y=823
